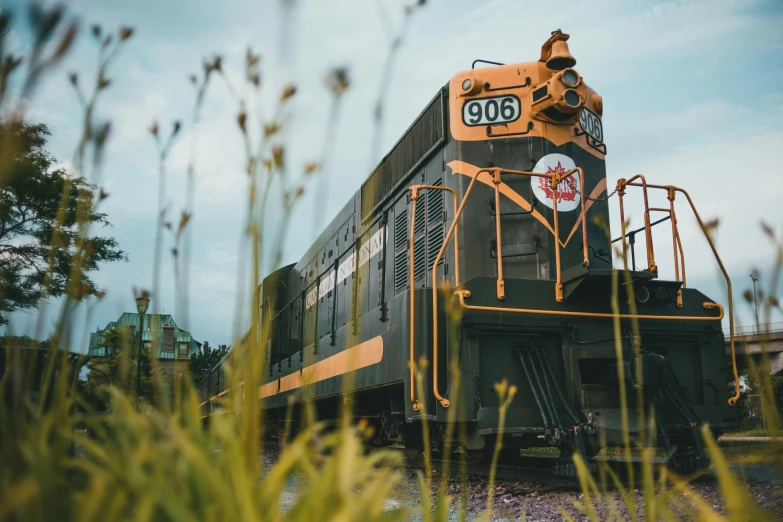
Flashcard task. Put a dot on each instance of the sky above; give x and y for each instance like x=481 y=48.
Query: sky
x=691 y=94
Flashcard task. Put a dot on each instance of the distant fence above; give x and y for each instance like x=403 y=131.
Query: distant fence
x=753 y=329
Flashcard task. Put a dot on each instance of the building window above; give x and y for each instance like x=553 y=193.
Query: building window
x=148 y=345
x=183 y=349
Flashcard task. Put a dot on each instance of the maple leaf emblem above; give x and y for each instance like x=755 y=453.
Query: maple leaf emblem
x=566 y=189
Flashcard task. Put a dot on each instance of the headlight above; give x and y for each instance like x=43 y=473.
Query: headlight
x=572 y=98
x=570 y=78
x=470 y=86
x=559 y=98
x=642 y=294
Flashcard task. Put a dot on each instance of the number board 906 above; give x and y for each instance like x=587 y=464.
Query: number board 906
x=486 y=111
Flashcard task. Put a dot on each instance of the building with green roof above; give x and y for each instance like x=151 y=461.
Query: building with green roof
x=170 y=344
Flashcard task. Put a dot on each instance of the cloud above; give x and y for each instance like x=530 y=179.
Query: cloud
x=690 y=90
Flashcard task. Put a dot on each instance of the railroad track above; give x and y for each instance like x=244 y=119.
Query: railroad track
x=537 y=470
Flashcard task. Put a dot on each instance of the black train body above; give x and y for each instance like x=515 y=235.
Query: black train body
x=341 y=316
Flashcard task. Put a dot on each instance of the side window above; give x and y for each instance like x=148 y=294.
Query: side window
x=327 y=287
x=312 y=301
x=293 y=315
x=346 y=277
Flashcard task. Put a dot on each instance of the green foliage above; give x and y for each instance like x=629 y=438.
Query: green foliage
x=23 y=341
x=748 y=409
x=41 y=235
x=118 y=369
x=202 y=362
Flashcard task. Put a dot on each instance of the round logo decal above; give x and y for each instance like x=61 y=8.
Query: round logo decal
x=568 y=191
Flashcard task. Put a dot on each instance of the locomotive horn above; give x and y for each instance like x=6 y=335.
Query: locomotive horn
x=555 y=52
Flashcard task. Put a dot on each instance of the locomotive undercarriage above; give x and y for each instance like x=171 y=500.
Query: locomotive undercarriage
x=569 y=386
x=567 y=428
x=566 y=373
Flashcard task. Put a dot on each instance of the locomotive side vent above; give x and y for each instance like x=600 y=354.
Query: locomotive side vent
x=420 y=265
x=435 y=223
x=400 y=251
x=420 y=241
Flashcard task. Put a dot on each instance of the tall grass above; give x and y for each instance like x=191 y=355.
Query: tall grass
x=61 y=459
x=665 y=495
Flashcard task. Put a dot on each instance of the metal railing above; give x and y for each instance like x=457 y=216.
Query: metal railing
x=671 y=192
x=415 y=198
x=758 y=329
x=554 y=180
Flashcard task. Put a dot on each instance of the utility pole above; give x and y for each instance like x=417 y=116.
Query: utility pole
x=141 y=305
x=755 y=302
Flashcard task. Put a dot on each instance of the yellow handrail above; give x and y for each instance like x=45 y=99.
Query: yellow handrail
x=671 y=190
x=415 y=197
x=707 y=305
x=554 y=180
x=501 y=285
x=732 y=400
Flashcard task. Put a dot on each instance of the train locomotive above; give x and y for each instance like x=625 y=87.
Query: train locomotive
x=481 y=244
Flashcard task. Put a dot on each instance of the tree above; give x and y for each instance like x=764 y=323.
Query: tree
x=118 y=368
x=45 y=217
x=202 y=363
x=23 y=341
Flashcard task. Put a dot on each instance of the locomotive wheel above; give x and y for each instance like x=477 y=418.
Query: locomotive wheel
x=413 y=445
x=443 y=450
x=477 y=456
x=412 y=453
x=590 y=451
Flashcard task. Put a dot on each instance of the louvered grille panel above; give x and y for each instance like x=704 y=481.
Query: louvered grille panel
x=435 y=242
x=420 y=261
x=400 y=231
x=421 y=216
x=435 y=232
x=400 y=251
x=400 y=272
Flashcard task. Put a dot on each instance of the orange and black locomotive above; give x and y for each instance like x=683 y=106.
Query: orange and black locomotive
x=481 y=244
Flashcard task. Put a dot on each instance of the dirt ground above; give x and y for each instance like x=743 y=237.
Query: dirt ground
x=515 y=500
